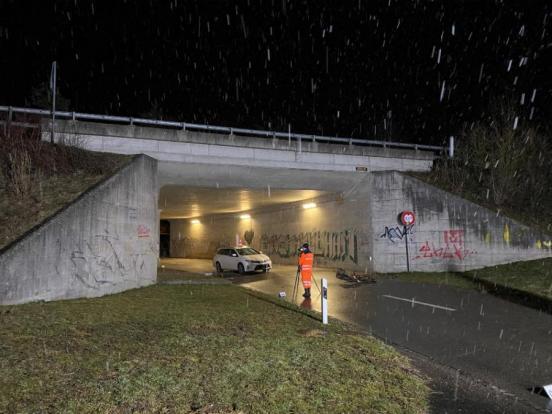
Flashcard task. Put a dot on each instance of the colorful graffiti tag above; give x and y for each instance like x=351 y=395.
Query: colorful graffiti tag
x=543 y=244
x=340 y=246
x=143 y=231
x=452 y=247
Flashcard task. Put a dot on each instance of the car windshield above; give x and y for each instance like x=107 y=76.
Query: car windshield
x=247 y=251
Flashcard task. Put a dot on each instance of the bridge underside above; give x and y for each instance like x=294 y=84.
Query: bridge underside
x=203 y=207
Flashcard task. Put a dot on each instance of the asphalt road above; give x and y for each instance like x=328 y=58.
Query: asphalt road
x=482 y=352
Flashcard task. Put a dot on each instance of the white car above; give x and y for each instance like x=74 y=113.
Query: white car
x=242 y=259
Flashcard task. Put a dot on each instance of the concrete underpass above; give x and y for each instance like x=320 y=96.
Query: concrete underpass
x=121 y=227
x=204 y=207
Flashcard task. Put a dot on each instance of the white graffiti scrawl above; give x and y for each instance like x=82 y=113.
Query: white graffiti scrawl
x=105 y=260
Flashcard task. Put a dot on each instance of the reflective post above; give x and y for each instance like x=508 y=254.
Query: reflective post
x=451 y=147
x=324 y=301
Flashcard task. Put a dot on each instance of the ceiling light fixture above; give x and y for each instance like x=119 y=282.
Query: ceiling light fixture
x=309 y=205
x=245 y=216
x=195 y=221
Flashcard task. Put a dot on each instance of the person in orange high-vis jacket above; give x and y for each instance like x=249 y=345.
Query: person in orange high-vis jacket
x=306 y=258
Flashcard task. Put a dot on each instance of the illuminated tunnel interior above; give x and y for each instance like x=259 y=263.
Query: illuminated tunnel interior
x=204 y=208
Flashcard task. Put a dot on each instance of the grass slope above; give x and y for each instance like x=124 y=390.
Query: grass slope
x=20 y=214
x=37 y=179
x=194 y=349
x=534 y=276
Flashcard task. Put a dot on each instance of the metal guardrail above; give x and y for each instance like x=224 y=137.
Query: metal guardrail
x=80 y=116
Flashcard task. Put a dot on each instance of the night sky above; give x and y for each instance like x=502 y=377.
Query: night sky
x=415 y=71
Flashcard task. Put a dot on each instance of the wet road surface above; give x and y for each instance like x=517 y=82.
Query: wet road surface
x=495 y=343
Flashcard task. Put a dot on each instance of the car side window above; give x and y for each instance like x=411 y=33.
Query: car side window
x=232 y=253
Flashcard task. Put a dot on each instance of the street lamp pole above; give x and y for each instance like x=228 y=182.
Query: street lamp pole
x=53 y=88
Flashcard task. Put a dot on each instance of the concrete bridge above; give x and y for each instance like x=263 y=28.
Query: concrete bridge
x=206 y=189
x=276 y=150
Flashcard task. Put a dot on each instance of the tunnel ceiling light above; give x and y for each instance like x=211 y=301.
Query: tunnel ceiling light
x=195 y=221
x=309 y=205
x=245 y=216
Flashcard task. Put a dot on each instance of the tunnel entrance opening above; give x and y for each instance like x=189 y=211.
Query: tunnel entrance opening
x=196 y=221
x=269 y=209
x=164 y=238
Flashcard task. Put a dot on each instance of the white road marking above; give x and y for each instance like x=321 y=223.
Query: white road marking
x=413 y=301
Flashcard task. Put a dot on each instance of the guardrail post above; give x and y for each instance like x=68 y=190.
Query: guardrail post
x=299 y=144
x=451 y=147
x=183 y=126
x=289 y=135
x=273 y=139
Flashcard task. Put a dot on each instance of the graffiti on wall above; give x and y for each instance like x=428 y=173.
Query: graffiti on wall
x=518 y=236
x=506 y=233
x=143 y=231
x=106 y=260
x=397 y=233
x=338 y=246
x=543 y=244
x=198 y=248
x=248 y=236
x=451 y=248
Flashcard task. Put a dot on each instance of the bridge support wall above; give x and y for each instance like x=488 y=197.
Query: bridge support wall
x=450 y=233
x=104 y=242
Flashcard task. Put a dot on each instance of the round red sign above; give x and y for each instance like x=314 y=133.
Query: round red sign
x=407 y=218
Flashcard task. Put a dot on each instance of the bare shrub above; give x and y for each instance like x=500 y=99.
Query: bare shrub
x=504 y=163
x=17 y=173
x=24 y=145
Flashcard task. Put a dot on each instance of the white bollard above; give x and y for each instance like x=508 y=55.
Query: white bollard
x=548 y=390
x=324 y=295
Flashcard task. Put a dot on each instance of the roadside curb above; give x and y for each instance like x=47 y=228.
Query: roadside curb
x=196 y=282
x=520 y=297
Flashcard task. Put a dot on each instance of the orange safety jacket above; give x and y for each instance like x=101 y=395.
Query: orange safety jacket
x=305 y=263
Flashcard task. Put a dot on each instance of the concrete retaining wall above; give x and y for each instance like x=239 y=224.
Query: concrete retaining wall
x=106 y=241
x=338 y=239
x=450 y=233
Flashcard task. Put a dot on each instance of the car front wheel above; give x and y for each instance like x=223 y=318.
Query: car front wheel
x=241 y=269
x=218 y=267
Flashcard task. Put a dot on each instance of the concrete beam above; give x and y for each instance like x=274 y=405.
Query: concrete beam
x=204 y=148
